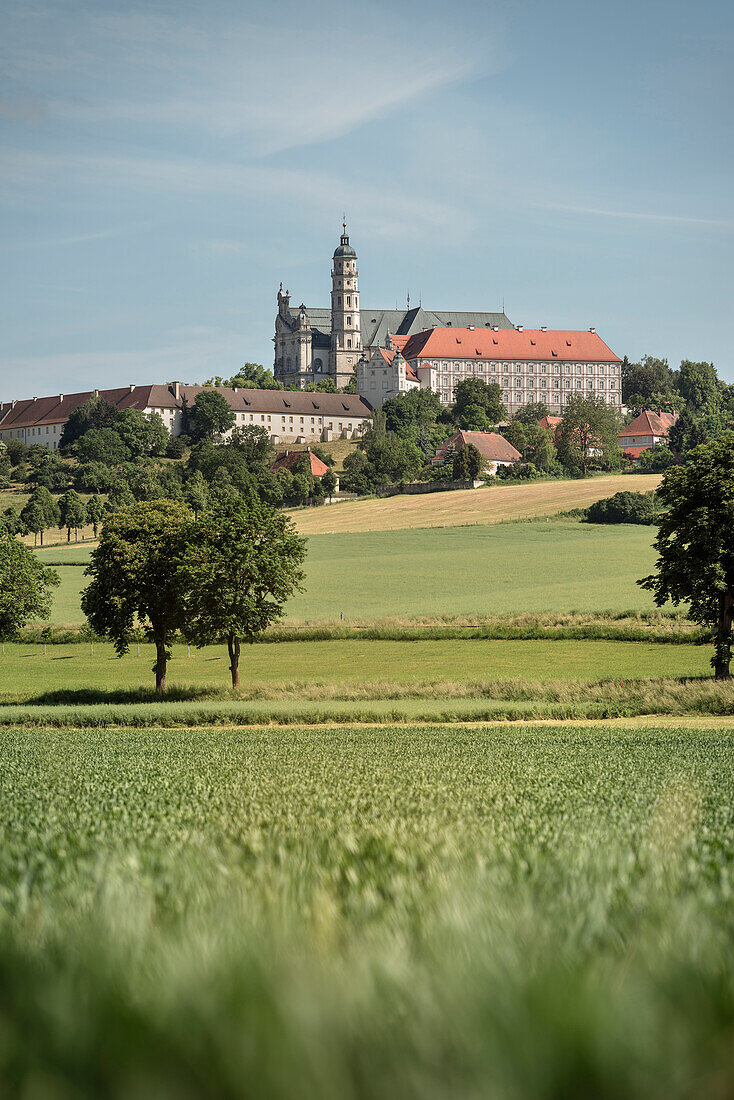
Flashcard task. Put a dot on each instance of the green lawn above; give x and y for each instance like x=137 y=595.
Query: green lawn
x=26 y=671
x=513 y=567
x=350 y=913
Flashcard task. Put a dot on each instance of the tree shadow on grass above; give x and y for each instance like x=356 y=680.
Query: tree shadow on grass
x=77 y=696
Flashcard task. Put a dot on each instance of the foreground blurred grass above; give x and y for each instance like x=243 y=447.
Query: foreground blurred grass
x=367 y=913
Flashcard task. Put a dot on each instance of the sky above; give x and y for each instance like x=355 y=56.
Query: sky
x=163 y=166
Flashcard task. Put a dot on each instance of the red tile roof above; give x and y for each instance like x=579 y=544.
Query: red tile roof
x=634 y=452
x=56 y=410
x=508 y=343
x=388 y=354
x=649 y=423
x=489 y=444
x=288 y=460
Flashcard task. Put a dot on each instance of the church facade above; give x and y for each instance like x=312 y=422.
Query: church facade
x=312 y=344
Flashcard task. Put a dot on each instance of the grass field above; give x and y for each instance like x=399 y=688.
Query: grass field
x=27 y=672
x=495 y=504
x=412 y=913
x=561 y=565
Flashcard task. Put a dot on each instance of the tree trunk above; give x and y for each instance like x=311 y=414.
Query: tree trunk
x=68 y=534
x=233 y=645
x=41 y=537
x=161 y=661
x=722 y=651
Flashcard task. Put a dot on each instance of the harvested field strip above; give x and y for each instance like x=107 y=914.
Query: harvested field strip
x=630 y=626
x=437 y=703
x=493 y=504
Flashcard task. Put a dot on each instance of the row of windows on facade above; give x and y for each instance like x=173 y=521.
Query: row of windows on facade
x=601 y=384
x=517 y=368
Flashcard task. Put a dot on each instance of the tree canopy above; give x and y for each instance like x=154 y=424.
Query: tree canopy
x=25 y=586
x=137 y=576
x=588 y=433
x=210 y=415
x=695 y=542
x=244 y=562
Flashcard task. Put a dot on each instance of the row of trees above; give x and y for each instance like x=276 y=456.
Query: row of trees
x=42 y=512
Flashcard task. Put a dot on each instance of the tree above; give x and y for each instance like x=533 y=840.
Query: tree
x=588 y=431
x=697 y=384
x=101 y=445
x=467 y=463
x=137 y=575
x=328 y=483
x=244 y=564
x=141 y=434
x=25 y=586
x=94 y=477
x=40 y=512
x=211 y=415
x=695 y=543
x=690 y=430
x=94 y=413
x=472 y=393
x=95 y=513
x=195 y=493
x=252 y=376
x=72 y=513
x=50 y=472
x=253 y=443
x=531 y=413
x=641 y=380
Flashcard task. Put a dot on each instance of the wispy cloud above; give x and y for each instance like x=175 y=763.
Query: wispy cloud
x=76 y=238
x=636 y=215
x=383 y=210
x=278 y=84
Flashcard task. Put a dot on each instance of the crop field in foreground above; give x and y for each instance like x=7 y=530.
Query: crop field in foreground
x=517 y=567
x=501 y=912
x=496 y=503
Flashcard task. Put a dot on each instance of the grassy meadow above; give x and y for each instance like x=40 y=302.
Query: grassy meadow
x=494 y=912
x=561 y=565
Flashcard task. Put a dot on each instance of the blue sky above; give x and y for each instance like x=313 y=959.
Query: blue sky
x=165 y=165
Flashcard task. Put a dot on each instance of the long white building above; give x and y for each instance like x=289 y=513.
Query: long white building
x=287 y=416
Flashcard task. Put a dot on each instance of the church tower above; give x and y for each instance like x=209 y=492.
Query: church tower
x=346 y=339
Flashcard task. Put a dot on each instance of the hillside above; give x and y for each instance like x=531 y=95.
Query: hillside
x=494 y=504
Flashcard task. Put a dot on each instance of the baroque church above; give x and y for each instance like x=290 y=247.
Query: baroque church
x=312 y=344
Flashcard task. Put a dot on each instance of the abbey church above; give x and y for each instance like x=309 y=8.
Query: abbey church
x=313 y=343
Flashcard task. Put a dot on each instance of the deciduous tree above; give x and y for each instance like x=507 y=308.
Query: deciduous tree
x=695 y=543
x=211 y=415
x=244 y=564
x=137 y=575
x=588 y=431
x=72 y=513
x=40 y=512
x=25 y=586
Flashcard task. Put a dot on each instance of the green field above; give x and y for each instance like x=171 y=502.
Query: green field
x=297 y=668
x=513 y=567
x=487 y=912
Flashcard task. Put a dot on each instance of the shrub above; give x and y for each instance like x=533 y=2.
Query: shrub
x=624 y=508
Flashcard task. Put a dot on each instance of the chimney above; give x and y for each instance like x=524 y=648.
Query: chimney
x=35 y=399
x=543 y=328
x=131 y=387
x=495 y=328
x=592 y=329
x=61 y=397
x=177 y=390
x=519 y=328
x=471 y=328
x=96 y=394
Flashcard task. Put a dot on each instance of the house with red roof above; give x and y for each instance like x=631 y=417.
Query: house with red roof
x=289 y=459
x=529 y=365
x=495 y=450
x=647 y=431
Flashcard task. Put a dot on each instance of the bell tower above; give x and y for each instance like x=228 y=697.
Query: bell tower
x=346 y=338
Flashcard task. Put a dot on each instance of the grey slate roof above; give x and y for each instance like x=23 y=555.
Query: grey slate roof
x=376 y=323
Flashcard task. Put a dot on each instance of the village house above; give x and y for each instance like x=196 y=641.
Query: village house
x=647 y=431
x=494 y=449
x=289 y=459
